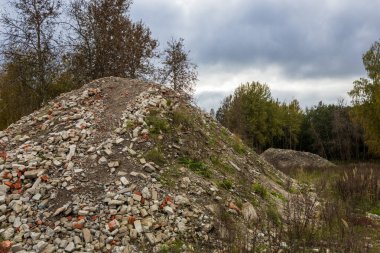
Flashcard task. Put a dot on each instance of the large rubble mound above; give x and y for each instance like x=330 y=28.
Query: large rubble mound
x=285 y=159
x=126 y=166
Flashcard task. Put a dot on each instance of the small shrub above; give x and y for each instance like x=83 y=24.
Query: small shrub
x=273 y=215
x=226 y=184
x=260 y=190
x=238 y=145
x=197 y=167
x=360 y=188
x=220 y=165
x=170 y=176
x=173 y=247
x=155 y=155
x=182 y=117
x=157 y=124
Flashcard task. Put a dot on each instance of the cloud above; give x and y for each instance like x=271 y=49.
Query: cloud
x=307 y=38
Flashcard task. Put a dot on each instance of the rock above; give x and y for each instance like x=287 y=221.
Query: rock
x=30 y=174
x=138 y=227
x=102 y=160
x=150 y=238
x=249 y=212
x=149 y=168
x=113 y=164
x=70 y=247
x=124 y=181
x=185 y=182
x=8 y=234
x=168 y=210
x=87 y=235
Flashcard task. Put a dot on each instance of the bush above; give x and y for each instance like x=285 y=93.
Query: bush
x=197 y=167
x=260 y=190
x=360 y=188
x=157 y=124
x=156 y=156
x=226 y=184
x=182 y=117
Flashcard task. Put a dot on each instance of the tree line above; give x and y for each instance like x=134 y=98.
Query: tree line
x=52 y=46
x=334 y=131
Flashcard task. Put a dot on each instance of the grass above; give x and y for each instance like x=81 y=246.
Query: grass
x=155 y=155
x=260 y=190
x=173 y=247
x=170 y=176
x=273 y=215
x=221 y=166
x=198 y=167
x=226 y=184
x=157 y=124
x=181 y=116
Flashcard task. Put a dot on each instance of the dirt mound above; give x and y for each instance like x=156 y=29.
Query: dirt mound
x=285 y=159
x=126 y=166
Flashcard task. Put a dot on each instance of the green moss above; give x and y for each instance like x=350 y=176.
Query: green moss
x=197 y=167
x=226 y=184
x=260 y=190
x=155 y=155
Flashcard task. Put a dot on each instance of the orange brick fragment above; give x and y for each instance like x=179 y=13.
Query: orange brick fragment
x=44 y=178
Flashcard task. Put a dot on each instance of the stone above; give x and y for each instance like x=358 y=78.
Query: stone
x=124 y=181
x=102 y=160
x=138 y=227
x=168 y=210
x=151 y=238
x=249 y=212
x=8 y=234
x=30 y=174
x=87 y=236
x=149 y=168
x=70 y=247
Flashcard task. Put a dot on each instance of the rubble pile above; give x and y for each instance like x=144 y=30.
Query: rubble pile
x=74 y=177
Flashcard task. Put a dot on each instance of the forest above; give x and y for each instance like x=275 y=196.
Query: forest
x=338 y=131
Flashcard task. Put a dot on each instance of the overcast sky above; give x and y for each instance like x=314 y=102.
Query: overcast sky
x=305 y=49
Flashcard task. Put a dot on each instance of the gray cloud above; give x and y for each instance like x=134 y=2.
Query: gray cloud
x=306 y=38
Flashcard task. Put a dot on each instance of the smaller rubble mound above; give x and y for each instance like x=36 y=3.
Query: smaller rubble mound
x=285 y=159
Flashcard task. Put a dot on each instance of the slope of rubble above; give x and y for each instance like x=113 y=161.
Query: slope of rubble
x=126 y=166
x=286 y=159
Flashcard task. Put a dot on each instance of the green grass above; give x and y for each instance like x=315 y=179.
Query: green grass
x=260 y=190
x=273 y=215
x=155 y=155
x=173 y=247
x=170 y=176
x=198 y=167
x=221 y=166
x=181 y=116
x=157 y=124
x=226 y=184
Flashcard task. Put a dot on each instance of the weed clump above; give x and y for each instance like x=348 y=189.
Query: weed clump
x=226 y=184
x=197 y=167
x=155 y=155
x=260 y=190
x=157 y=124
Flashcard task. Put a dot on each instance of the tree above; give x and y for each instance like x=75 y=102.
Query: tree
x=107 y=43
x=177 y=69
x=30 y=39
x=366 y=99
